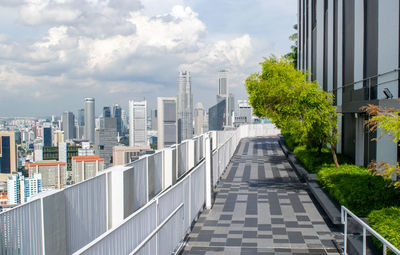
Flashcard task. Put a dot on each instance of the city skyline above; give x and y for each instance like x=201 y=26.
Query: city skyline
x=42 y=59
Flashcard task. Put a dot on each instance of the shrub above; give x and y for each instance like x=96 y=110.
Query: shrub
x=313 y=160
x=387 y=223
x=357 y=189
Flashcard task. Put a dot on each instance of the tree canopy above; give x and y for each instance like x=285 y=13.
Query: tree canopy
x=294 y=103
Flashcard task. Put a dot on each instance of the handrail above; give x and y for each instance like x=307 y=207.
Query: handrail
x=368 y=78
x=366 y=227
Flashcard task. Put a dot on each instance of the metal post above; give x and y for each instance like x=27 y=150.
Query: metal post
x=208 y=157
x=364 y=241
x=345 y=232
x=157 y=248
x=384 y=249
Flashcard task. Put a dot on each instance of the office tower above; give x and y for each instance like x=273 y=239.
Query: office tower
x=38 y=152
x=105 y=140
x=185 y=106
x=80 y=124
x=47 y=136
x=117 y=114
x=68 y=125
x=154 y=119
x=198 y=119
x=244 y=113
x=125 y=122
x=20 y=188
x=217 y=116
x=137 y=123
x=85 y=167
x=352 y=49
x=54 y=174
x=223 y=94
x=106 y=112
x=81 y=118
x=89 y=119
x=58 y=137
x=8 y=154
x=205 y=122
x=167 y=122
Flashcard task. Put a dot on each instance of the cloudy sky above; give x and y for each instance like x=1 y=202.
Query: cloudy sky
x=54 y=53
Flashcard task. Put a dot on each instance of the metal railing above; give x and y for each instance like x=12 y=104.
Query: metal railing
x=367 y=88
x=134 y=200
x=386 y=244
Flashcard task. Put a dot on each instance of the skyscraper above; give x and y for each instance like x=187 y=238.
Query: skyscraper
x=185 y=106
x=137 y=123
x=89 y=119
x=198 y=119
x=223 y=94
x=106 y=112
x=117 y=113
x=81 y=117
x=8 y=154
x=47 y=136
x=106 y=139
x=167 y=122
x=216 y=116
x=154 y=119
x=68 y=125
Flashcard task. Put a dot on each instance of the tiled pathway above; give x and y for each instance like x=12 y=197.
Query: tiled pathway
x=261 y=207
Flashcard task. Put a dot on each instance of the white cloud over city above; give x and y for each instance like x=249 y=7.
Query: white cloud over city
x=53 y=53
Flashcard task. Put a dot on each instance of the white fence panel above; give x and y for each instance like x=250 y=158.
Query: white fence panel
x=140 y=183
x=20 y=230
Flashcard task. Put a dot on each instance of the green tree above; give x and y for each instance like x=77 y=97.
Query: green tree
x=292 y=56
x=294 y=103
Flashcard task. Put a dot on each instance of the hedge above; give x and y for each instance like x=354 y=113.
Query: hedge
x=387 y=223
x=313 y=160
x=357 y=189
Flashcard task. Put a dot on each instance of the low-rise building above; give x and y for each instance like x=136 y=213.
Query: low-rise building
x=85 y=167
x=125 y=154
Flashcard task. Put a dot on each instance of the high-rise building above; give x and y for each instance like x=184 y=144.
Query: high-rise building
x=106 y=112
x=81 y=118
x=198 y=119
x=167 y=122
x=185 y=106
x=244 y=113
x=47 y=136
x=125 y=122
x=352 y=50
x=216 y=116
x=117 y=114
x=85 y=167
x=8 y=154
x=223 y=94
x=105 y=140
x=58 y=137
x=20 y=188
x=54 y=174
x=154 y=119
x=68 y=125
x=137 y=123
x=89 y=119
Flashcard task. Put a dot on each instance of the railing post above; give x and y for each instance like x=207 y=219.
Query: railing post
x=384 y=249
x=157 y=248
x=345 y=232
x=364 y=241
x=208 y=162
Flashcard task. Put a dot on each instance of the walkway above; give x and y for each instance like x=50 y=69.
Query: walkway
x=261 y=207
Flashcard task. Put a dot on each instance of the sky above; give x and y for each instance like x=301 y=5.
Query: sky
x=54 y=53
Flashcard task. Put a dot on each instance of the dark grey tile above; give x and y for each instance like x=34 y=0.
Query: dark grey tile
x=278 y=231
x=233 y=242
x=264 y=227
x=249 y=234
x=225 y=217
x=277 y=221
x=302 y=218
x=295 y=237
x=281 y=240
x=250 y=222
x=291 y=224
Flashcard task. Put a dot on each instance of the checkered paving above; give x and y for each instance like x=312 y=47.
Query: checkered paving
x=261 y=207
